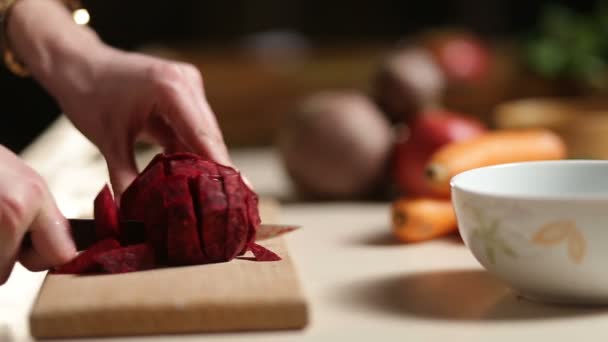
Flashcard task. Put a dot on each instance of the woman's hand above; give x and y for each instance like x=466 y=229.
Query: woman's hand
x=112 y=96
x=121 y=97
x=27 y=206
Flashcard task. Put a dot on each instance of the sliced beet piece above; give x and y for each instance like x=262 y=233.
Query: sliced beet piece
x=155 y=221
x=237 y=225
x=253 y=216
x=213 y=207
x=262 y=253
x=106 y=215
x=193 y=185
x=183 y=242
x=236 y=233
x=192 y=168
x=133 y=201
x=127 y=259
x=85 y=262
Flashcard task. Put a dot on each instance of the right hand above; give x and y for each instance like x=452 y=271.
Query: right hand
x=26 y=205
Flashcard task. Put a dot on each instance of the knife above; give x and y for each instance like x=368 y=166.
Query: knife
x=83 y=232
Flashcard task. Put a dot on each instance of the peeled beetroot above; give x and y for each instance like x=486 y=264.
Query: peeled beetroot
x=106 y=215
x=262 y=253
x=191 y=210
x=126 y=259
x=183 y=241
x=211 y=214
x=85 y=261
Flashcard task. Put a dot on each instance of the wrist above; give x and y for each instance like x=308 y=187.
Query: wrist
x=43 y=35
x=75 y=74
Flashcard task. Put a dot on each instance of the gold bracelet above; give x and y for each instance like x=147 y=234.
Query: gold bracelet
x=11 y=61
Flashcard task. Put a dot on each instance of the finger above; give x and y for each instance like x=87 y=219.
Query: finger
x=33 y=261
x=196 y=125
x=164 y=135
x=52 y=242
x=198 y=95
x=18 y=205
x=5 y=271
x=122 y=168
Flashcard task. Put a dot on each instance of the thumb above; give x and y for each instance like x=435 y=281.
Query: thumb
x=52 y=241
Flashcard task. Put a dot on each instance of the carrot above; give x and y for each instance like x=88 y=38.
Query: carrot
x=498 y=147
x=421 y=219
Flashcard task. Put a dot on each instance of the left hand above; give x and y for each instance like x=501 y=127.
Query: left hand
x=122 y=97
x=114 y=97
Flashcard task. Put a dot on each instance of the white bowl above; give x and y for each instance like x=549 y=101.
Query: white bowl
x=542 y=227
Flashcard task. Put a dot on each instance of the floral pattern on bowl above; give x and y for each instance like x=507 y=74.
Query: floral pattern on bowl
x=555 y=233
x=497 y=240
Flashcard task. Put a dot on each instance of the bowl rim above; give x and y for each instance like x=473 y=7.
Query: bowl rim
x=454 y=182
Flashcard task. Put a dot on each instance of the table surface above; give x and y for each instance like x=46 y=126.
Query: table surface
x=360 y=284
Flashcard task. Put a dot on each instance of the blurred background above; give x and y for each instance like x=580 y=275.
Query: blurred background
x=260 y=57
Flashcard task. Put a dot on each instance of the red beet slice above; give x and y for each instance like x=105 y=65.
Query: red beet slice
x=85 y=262
x=253 y=215
x=262 y=253
x=237 y=226
x=155 y=221
x=213 y=205
x=106 y=215
x=183 y=242
x=193 y=168
x=127 y=259
x=133 y=202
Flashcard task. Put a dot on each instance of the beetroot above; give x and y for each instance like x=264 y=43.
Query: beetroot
x=212 y=206
x=133 y=201
x=183 y=242
x=85 y=261
x=237 y=221
x=156 y=222
x=181 y=210
x=127 y=259
x=262 y=253
x=106 y=215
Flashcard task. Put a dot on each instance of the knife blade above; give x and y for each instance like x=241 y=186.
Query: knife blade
x=84 y=235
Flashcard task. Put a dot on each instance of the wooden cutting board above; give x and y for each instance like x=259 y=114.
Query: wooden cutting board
x=239 y=295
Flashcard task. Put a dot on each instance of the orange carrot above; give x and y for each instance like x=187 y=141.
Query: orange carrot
x=421 y=219
x=498 y=147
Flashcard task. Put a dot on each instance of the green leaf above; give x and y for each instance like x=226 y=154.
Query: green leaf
x=570 y=45
x=547 y=57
